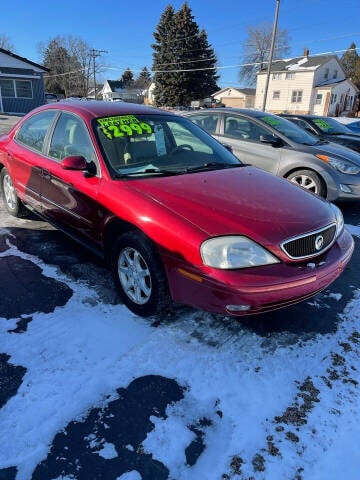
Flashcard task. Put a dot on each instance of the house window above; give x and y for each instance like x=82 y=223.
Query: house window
x=16 y=89
x=296 y=96
x=333 y=98
x=23 y=89
x=290 y=76
x=7 y=88
x=326 y=74
x=276 y=76
x=335 y=74
x=318 y=99
x=276 y=94
x=349 y=101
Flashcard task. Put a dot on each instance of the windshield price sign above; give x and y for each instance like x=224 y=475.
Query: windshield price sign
x=125 y=125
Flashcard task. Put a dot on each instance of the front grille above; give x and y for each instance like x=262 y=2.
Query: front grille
x=310 y=244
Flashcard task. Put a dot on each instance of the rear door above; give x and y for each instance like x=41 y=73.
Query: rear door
x=26 y=157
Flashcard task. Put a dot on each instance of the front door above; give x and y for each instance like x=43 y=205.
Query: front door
x=69 y=197
x=243 y=135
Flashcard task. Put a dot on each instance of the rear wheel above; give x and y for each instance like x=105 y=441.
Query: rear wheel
x=139 y=275
x=12 y=203
x=309 y=180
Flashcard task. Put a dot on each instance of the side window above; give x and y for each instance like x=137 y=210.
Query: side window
x=243 y=128
x=237 y=127
x=71 y=137
x=33 y=132
x=305 y=125
x=207 y=122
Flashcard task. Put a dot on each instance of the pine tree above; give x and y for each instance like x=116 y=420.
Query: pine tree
x=127 y=78
x=351 y=64
x=143 y=80
x=184 y=62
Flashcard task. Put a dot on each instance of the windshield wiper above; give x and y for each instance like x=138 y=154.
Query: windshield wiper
x=147 y=171
x=212 y=166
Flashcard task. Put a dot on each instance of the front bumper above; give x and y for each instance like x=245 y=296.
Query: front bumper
x=342 y=186
x=258 y=289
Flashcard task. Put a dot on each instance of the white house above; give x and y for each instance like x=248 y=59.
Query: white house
x=114 y=90
x=311 y=85
x=236 y=97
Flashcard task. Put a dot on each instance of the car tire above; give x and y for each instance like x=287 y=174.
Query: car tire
x=12 y=203
x=139 y=275
x=309 y=180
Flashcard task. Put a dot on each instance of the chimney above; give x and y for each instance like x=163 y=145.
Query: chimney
x=306 y=52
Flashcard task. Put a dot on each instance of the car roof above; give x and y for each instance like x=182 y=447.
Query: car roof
x=98 y=108
x=302 y=115
x=243 y=111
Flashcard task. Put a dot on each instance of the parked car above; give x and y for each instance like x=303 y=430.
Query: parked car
x=208 y=102
x=177 y=217
x=284 y=149
x=51 y=97
x=326 y=128
x=352 y=123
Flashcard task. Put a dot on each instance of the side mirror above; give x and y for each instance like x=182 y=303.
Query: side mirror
x=270 y=139
x=228 y=147
x=75 y=162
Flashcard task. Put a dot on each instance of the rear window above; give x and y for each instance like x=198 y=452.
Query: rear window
x=33 y=132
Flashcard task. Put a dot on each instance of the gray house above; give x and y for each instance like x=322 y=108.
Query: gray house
x=21 y=83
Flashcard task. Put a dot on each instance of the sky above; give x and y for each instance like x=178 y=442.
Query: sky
x=125 y=29
x=77 y=356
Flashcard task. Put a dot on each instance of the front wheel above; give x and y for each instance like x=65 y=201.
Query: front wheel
x=12 y=203
x=309 y=180
x=139 y=275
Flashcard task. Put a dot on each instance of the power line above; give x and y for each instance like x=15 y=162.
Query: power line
x=211 y=68
x=93 y=54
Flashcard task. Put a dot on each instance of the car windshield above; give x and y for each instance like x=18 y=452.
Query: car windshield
x=330 y=126
x=289 y=130
x=158 y=144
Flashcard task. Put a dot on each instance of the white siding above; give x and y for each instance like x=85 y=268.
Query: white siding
x=231 y=97
x=303 y=81
x=330 y=67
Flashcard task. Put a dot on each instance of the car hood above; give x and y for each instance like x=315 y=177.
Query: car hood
x=346 y=139
x=243 y=200
x=335 y=149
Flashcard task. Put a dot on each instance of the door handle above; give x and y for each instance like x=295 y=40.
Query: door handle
x=46 y=174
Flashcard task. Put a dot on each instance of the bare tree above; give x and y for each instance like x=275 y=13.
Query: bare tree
x=257 y=50
x=6 y=43
x=70 y=62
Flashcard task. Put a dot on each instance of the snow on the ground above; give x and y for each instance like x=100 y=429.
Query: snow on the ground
x=290 y=405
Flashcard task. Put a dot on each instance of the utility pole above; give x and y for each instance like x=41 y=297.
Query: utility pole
x=271 y=54
x=93 y=54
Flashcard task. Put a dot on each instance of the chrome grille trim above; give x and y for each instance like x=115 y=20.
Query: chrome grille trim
x=301 y=242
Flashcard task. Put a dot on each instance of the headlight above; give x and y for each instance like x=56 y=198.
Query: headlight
x=339 y=219
x=234 y=252
x=342 y=166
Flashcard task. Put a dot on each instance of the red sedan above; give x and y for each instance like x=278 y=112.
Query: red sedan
x=174 y=213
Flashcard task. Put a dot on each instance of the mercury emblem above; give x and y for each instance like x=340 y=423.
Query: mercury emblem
x=319 y=242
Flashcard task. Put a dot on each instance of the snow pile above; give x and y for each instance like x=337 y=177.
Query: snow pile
x=280 y=406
